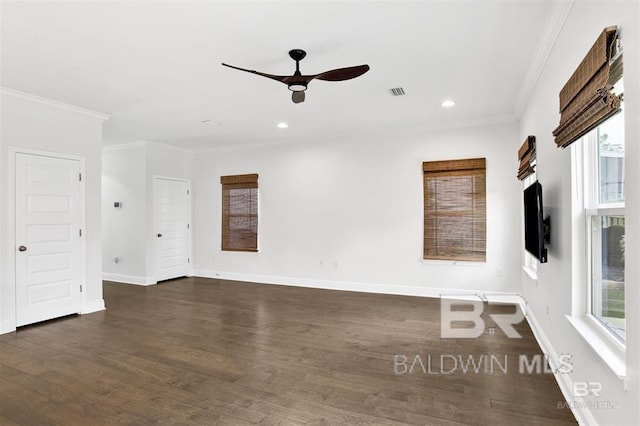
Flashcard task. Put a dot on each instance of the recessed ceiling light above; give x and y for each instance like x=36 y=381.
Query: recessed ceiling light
x=282 y=125
x=211 y=123
x=448 y=103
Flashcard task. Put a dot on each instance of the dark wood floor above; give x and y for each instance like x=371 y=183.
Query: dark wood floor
x=199 y=351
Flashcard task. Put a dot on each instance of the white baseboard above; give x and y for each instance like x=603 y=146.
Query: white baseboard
x=93 y=306
x=400 y=290
x=7 y=326
x=128 y=279
x=579 y=409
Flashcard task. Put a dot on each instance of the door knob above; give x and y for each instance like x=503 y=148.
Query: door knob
x=159 y=235
x=22 y=248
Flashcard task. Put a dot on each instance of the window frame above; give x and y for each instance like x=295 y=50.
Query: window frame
x=585 y=186
x=595 y=208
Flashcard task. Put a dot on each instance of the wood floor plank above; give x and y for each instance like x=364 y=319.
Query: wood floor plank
x=201 y=351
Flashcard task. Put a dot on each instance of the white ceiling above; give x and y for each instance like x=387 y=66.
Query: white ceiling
x=155 y=66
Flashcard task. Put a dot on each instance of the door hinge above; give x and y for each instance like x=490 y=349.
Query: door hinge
x=188 y=226
x=80 y=232
x=80 y=177
x=187 y=192
x=188 y=260
x=80 y=288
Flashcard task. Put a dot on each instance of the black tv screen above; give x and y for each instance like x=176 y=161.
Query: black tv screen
x=534 y=223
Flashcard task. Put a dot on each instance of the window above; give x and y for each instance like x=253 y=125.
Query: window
x=591 y=112
x=605 y=222
x=240 y=212
x=455 y=210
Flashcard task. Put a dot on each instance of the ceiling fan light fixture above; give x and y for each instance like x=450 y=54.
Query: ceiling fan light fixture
x=297 y=87
x=297 y=83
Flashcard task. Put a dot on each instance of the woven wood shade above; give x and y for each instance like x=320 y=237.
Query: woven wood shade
x=455 y=210
x=240 y=212
x=526 y=157
x=586 y=99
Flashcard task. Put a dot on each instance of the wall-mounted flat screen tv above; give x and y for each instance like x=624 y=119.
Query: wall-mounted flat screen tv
x=535 y=226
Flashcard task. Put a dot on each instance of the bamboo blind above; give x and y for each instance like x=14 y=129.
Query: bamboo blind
x=526 y=157
x=586 y=100
x=455 y=210
x=240 y=212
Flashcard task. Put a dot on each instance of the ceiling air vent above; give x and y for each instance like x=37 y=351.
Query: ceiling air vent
x=396 y=91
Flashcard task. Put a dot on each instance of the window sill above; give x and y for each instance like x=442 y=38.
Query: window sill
x=530 y=272
x=607 y=347
x=452 y=262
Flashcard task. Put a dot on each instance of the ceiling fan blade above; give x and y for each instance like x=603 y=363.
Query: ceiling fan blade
x=297 y=97
x=280 y=78
x=341 y=74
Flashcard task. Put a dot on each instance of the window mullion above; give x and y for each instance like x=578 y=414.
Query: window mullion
x=605 y=211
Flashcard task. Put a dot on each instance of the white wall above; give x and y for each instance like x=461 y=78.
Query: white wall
x=348 y=213
x=40 y=124
x=124 y=229
x=553 y=289
x=128 y=233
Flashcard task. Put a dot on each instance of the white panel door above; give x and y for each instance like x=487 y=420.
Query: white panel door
x=171 y=205
x=48 y=246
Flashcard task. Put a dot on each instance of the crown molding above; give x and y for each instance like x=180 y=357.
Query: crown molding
x=124 y=146
x=169 y=146
x=144 y=144
x=391 y=131
x=28 y=97
x=546 y=42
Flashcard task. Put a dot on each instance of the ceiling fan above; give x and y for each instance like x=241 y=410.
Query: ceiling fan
x=297 y=82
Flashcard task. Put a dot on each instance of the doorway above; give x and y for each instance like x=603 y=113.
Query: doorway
x=48 y=243
x=172 y=212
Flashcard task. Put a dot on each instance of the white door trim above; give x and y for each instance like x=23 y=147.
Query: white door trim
x=155 y=231
x=11 y=218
